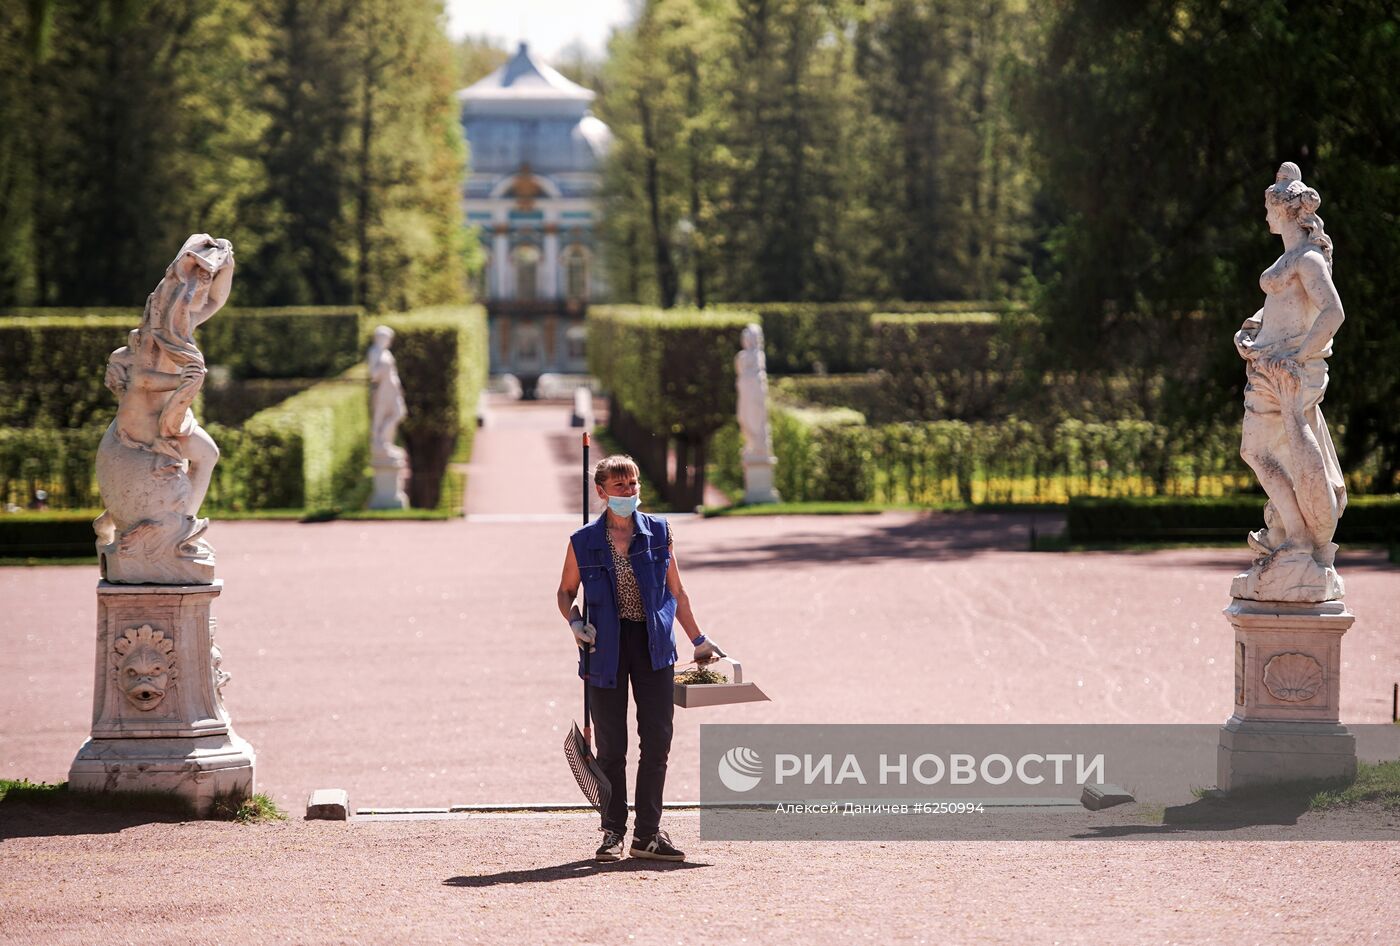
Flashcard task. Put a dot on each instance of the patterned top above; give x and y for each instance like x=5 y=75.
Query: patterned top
x=629 y=596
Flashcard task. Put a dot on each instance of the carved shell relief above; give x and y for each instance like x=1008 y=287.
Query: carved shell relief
x=144 y=660
x=1293 y=678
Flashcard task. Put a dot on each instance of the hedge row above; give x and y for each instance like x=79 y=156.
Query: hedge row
x=442 y=358
x=52 y=366
x=1367 y=519
x=308 y=452
x=672 y=371
x=831 y=456
x=838 y=337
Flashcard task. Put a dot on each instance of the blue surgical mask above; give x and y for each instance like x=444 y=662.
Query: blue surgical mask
x=624 y=505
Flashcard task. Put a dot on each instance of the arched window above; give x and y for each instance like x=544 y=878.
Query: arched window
x=576 y=273
x=527 y=266
x=575 y=341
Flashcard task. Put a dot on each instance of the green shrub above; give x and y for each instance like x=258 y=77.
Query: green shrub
x=52 y=362
x=441 y=354
x=308 y=452
x=950 y=365
x=52 y=369
x=1366 y=520
x=48 y=534
x=61 y=462
x=289 y=342
x=864 y=392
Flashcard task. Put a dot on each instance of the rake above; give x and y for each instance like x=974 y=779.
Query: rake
x=589 y=775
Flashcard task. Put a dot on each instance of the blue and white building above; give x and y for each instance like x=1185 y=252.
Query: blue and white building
x=532 y=192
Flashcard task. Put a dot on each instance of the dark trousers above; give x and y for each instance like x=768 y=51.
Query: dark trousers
x=652 y=692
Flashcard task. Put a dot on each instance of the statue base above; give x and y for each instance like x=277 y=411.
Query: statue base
x=1285 y=726
x=390 y=474
x=1290 y=576
x=758 y=480
x=158 y=722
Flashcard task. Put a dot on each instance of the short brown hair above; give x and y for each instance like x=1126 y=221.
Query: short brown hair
x=619 y=464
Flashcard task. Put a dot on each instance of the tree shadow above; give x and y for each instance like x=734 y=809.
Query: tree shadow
x=573 y=869
x=956 y=535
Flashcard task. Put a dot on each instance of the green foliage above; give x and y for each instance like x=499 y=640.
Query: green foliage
x=52 y=368
x=48 y=534
x=962 y=365
x=322 y=139
x=308 y=452
x=800 y=150
x=1215 y=96
x=259 y=809
x=832 y=456
x=672 y=372
x=442 y=360
x=864 y=392
x=288 y=342
x=1367 y=519
x=52 y=365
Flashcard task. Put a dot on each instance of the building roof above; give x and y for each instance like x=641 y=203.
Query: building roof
x=525 y=85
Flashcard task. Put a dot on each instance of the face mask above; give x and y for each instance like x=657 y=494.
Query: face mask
x=624 y=505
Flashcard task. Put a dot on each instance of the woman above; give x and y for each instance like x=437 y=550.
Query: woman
x=633 y=591
x=1284 y=438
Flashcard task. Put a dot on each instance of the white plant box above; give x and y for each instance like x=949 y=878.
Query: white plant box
x=688 y=695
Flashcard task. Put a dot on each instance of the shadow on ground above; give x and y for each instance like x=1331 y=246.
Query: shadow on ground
x=23 y=820
x=573 y=869
x=871 y=540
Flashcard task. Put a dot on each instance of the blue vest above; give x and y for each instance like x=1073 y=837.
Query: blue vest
x=650 y=556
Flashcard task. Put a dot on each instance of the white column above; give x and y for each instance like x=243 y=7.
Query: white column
x=500 y=260
x=551 y=263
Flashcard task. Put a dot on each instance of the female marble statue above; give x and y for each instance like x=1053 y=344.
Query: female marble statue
x=751 y=381
x=1285 y=439
x=155 y=462
x=386 y=401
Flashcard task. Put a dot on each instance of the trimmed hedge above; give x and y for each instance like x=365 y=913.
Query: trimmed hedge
x=52 y=364
x=831 y=456
x=962 y=365
x=1367 y=519
x=672 y=371
x=837 y=337
x=308 y=452
x=48 y=535
x=442 y=355
x=61 y=462
x=669 y=375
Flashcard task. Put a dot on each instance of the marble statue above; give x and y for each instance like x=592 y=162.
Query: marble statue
x=751 y=381
x=155 y=462
x=1285 y=439
x=386 y=410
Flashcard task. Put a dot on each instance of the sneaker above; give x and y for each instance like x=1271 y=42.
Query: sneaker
x=657 y=848
x=611 y=848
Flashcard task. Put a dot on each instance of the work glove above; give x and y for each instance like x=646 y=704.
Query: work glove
x=585 y=635
x=707 y=651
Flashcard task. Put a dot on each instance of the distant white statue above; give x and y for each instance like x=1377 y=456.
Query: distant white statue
x=155 y=462
x=751 y=381
x=1285 y=439
x=386 y=410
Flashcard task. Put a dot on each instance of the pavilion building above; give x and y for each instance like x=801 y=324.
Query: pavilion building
x=532 y=195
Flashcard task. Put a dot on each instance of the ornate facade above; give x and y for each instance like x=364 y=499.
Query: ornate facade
x=531 y=192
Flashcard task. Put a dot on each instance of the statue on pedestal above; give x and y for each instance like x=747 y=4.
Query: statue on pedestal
x=751 y=381
x=386 y=410
x=155 y=462
x=1285 y=439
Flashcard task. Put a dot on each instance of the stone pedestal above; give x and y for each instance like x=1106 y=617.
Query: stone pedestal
x=1285 y=726
x=390 y=474
x=158 y=718
x=758 y=480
